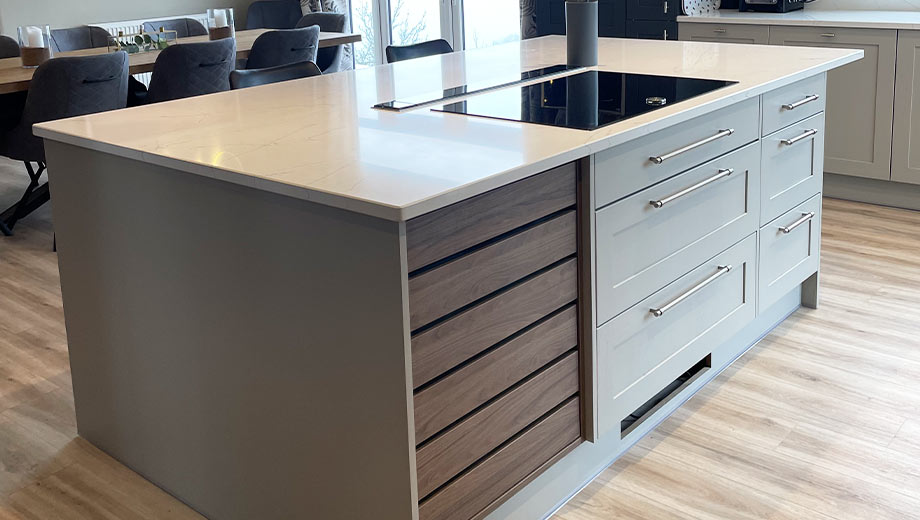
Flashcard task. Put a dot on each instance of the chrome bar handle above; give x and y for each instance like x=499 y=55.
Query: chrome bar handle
x=719 y=31
x=797 y=104
x=659 y=312
x=829 y=35
x=791 y=227
x=806 y=135
x=662 y=158
x=721 y=175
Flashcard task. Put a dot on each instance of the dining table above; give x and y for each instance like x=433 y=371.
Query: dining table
x=16 y=78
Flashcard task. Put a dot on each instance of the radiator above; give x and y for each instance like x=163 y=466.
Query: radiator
x=136 y=26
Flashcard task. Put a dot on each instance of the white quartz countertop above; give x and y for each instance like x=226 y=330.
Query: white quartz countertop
x=318 y=139
x=863 y=19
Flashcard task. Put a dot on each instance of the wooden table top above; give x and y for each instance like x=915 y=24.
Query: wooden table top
x=15 y=78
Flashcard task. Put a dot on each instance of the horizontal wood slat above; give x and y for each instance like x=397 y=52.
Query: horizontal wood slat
x=449 y=287
x=453 y=229
x=482 y=484
x=456 y=449
x=458 y=339
x=466 y=389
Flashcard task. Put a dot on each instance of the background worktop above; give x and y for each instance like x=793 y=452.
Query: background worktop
x=864 y=19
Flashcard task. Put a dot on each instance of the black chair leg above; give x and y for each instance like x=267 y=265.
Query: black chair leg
x=35 y=195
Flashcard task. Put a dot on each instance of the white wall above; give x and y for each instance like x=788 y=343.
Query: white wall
x=68 y=13
x=883 y=5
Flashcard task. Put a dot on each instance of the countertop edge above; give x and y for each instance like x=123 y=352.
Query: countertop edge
x=451 y=196
x=777 y=19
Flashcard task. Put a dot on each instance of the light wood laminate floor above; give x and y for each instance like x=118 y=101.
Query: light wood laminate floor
x=821 y=420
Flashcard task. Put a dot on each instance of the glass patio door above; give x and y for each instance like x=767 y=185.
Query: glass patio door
x=466 y=24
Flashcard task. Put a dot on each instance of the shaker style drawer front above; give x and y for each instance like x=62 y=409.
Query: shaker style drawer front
x=791 y=104
x=447 y=288
x=644 y=349
x=725 y=33
x=638 y=164
x=456 y=228
x=793 y=166
x=449 y=453
x=486 y=483
x=674 y=226
x=789 y=251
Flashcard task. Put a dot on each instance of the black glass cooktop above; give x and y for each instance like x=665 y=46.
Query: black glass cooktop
x=436 y=98
x=586 y=101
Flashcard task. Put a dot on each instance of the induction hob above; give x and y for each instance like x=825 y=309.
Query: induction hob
x=585 y=101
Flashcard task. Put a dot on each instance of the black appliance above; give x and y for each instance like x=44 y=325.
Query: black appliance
x=585 y=101
x=772 y=6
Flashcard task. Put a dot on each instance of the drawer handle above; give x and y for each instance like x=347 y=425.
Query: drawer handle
x=719 y=31
x=797 y=104
x=721 y=175
x=723 y=269
x=791 y=227
x=806 y=135
x=829 y=35
x=662 y=158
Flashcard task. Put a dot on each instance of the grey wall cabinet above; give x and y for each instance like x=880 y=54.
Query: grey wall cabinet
x=725 y=33
x=860 y=97
x=905 y=147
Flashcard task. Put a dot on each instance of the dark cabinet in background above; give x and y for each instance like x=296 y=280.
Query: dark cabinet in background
x=652 y=9
x=651 y=29
x=648 y=19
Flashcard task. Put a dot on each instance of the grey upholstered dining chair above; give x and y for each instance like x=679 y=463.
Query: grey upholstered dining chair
x=283 y=47
x=192 y=69
x=77 y=38
x=10 y=104
x=329 y=59
x=419 y=50
x=9 y=48
x=60 y=88
x=184 y=27
x=273 y=14
x=255 y=77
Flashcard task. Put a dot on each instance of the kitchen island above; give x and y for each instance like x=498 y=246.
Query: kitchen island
x=283 y=303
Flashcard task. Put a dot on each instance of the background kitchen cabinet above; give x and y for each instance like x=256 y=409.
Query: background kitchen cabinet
x=905 y=148
x=649 y=19
x=860 y=97
x=725 y=33
x=652 y=9
x=611 y=17
x=651 y=29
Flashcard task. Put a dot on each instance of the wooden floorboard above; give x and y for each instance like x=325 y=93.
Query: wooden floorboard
x=821 y=420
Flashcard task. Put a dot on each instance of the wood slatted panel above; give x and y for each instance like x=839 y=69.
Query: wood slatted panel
x=456 y=449
x=458 y=339
x=458 y=227
x=486 y=482
x=443 y=290
x=463 y=391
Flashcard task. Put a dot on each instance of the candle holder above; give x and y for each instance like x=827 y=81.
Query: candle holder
x=35 y=45
x=220 y=23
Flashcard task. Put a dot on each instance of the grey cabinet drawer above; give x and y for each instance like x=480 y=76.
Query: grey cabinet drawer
x=628 y=168
x=789 y=255
x=639 y=353
x=725 y=33
x=793 y=103
x=663 y=243
x=793 y=166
